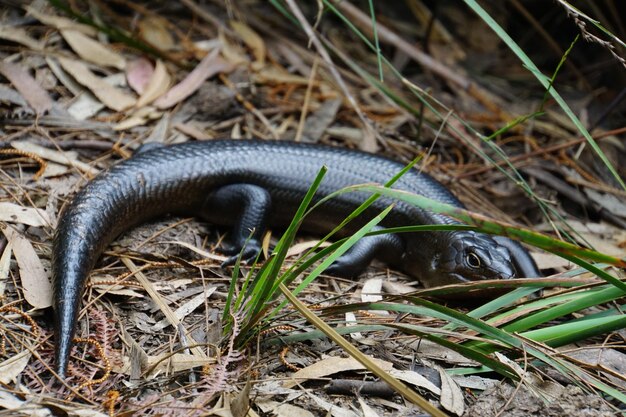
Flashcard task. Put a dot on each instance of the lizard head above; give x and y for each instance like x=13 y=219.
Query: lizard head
x=467 y=256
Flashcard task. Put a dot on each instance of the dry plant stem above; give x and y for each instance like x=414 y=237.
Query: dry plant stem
x=329 y=63
x=249 y=106
x=307 y=101
x=541 y=151
x=550 y=41
x=156 y=297
x=385 y=35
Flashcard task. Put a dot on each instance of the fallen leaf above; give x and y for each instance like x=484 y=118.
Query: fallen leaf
x=240 y=404
x=112 y=97
x=157 y=86
x=187 y=308
x=5 y=266
x=366 y=410
x=63 y=158
x=155 y=31
x=28 y=87
x=210 y=65
x=277 y=409
x=19 y=35
x=11 y=368
x=139 y=117
x=59 y=22
x=330 y=366
x=35 y=281
x=14 y=213
x=451 y=395
x=93 y=51
x=252 y=41
x=9 y=95
x=138 y=74
x=416 y=379
x=372 y=290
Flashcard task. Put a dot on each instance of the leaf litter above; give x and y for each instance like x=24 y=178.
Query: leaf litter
x=171 y=273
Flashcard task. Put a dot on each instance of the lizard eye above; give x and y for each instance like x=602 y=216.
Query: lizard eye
x=473 y=260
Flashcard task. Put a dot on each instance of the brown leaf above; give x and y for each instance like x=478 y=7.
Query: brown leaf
x=330 y=366
x=93 y=51
x=35 y=281
x=112 y=97
x=32 y=92
x=154 y=30
x=210 y=65
x=252 y=41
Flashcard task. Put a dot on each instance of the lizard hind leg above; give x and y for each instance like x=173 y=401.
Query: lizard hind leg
x=249 y=205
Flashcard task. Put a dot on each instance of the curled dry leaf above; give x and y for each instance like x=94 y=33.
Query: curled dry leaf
x=93 y=51
x=252 y=41
x=19 y=35
x=11 y=368
x=210 y=65
x=112 y=97
x=138 y=74
x=28 y=87
x=13 y=213
x=154 y=30
x=159 y=83
x=35 y=282
x=330 y=366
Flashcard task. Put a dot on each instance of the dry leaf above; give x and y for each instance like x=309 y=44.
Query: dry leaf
x=177 y=362
x=240 y=405
x=138 y=74
x=210 y=65
x=451 y=395
x=13 y=213
x=366 y=410
x=63 y=158
x=372 y=290
x=330 y=366
x=187 y=308
x=277 y=409
x=59 y=22
x=5 y=266
x=93 y=51
x=154 y=30
x=28 y=87
x=19 y=35
x=416 y=379
x=13 y=367
x=35 y=282
x=252 y=41
x=139 y=118
x=159 y=83
x=113 y=98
